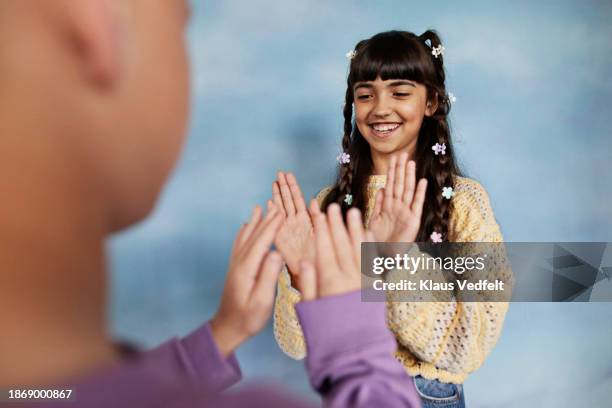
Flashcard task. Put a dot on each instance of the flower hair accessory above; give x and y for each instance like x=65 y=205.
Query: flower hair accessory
x=439 y=148
x=437 y=51
x=348 y=199
x=451 y=97
x=436 y=237
x=344 y=158
x=351 y=54
x=447 y=192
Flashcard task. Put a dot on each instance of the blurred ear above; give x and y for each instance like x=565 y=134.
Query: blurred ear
x=94 y=28
x=432 y=105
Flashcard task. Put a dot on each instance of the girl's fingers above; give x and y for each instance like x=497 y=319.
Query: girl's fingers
x=419 y=198
x=339 y=236
x=276 y=195
x=296 y=193
x=308 y=280
x=390 y=183
x=286 y=195
x=378 y=202
x=265 y=285
x=410 y=182
x=400 y=175
x=357 y=233
x=249 y=227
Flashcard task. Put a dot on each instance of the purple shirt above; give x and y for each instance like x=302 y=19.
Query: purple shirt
x=350 y=363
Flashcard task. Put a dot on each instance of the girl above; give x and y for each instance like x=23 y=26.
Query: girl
x=396 y=88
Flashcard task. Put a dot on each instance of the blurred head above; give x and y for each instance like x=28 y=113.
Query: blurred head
x=105 y=84
x=397 y=88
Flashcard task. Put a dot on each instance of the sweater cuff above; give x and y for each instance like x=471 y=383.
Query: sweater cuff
x=339 y=324
x=203 y=358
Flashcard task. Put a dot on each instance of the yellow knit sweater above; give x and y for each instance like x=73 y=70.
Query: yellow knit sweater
x=438 y=340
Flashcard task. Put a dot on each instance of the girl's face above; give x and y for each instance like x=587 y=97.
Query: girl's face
x=389 y=113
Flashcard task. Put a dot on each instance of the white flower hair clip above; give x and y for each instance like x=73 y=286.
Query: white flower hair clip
x=344 y=158
x=348 y=199
x=451 y=97
x=351 y=54
x=439 y=148
x=436 y=237
x=447 y=192
x=437 y=51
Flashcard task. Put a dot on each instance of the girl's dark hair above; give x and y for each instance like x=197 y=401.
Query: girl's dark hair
x=401 y=55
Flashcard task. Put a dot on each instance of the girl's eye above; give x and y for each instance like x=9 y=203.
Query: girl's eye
x=363 y=97
x=401 y=94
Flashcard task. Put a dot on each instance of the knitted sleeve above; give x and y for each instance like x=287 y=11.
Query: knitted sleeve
x=287 y=329
x=451 y=339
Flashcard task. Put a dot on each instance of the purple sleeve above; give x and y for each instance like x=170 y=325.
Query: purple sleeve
x=201 y=357
x=179 y=373
x=350 y=362
x=350 y=354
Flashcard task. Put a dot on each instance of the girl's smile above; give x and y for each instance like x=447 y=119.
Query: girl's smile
x=384 y=130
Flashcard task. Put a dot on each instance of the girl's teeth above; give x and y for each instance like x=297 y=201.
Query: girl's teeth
x=385 y=128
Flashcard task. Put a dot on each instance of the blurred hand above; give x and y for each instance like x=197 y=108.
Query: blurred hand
x=250 y=285
x=294 y=240
x=336 y=268
x=398 y=208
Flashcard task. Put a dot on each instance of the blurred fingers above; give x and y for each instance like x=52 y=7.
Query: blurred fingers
x=324 y=247
x=339 y=236
x=308 y=280
x=356 y=231
x=248 y=228
x=314 y=207
x=378 y=203
x=265 y=285
x=261 y=239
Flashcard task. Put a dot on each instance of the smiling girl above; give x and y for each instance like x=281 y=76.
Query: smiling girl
x=395 y=131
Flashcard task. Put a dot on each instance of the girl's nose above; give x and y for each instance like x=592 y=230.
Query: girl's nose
x=382 y=108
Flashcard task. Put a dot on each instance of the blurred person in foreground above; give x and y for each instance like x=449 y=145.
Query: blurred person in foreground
x=93 y=109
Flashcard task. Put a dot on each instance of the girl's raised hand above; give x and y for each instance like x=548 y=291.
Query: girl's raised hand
x=294 y=239
x=399 y=206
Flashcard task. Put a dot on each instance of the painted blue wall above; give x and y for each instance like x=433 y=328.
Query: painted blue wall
x=531 y=123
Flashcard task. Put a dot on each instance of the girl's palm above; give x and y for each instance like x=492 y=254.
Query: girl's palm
x=295 y=238
x=399 y=206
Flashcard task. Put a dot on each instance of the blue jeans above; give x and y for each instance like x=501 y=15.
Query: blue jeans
x=436 y=394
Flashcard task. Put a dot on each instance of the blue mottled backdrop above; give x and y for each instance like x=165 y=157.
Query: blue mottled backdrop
x=531 y=123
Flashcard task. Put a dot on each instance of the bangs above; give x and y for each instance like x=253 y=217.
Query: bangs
x=390 y=56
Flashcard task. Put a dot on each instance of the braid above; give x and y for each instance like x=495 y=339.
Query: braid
x=442 y=177
x=438 y=169
x=351 y=176
x=346 y=172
